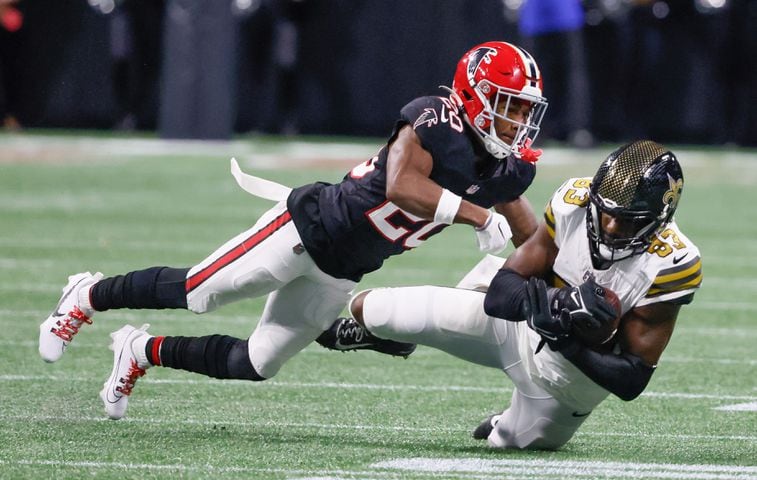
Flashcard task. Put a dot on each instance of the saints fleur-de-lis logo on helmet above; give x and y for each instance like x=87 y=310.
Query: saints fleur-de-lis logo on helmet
x=640 y=182
x=671 y=196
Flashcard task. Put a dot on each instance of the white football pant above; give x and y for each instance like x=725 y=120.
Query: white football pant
x=453 y=320
x=269 y=257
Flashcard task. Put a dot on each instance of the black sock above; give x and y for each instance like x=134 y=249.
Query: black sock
x=217 y=356
x=154 y=288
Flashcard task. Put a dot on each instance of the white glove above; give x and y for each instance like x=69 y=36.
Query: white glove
x=494 y=234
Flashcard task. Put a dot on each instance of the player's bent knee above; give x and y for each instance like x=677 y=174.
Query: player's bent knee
x=229 y=358
x=239 y=365
x=271 y=345
x=537 y=438
x=540 y=434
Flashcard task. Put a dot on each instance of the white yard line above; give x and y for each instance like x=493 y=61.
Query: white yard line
x=204 y=468
x=717 y=361
x=462 y=468
x=739 y=407
x=567 y=469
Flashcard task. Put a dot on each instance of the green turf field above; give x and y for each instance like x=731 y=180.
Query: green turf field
x=71 y=204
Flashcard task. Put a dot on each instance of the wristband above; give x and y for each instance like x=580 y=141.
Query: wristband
x=447 y=208
x=486 y=223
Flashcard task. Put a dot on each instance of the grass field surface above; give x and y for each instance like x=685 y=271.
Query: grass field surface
x=71 y=204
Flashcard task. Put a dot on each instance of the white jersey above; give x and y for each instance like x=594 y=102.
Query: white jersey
x=669 y=271
x=552 y=396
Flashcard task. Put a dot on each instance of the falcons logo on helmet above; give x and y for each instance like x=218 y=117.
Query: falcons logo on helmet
x=484 y=54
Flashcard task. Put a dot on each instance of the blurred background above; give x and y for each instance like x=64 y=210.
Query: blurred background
x=677 y=71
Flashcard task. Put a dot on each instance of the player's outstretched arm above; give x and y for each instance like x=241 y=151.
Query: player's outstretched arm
x=409 y=187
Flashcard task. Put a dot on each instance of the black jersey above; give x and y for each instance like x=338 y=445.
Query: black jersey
x=350 y=228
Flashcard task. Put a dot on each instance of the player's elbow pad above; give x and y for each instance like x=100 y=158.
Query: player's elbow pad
x=625 y=376
x=636 y=381
x=506 y=295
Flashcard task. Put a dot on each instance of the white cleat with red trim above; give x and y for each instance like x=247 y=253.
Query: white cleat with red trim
x=126 y=371
x=58 y=330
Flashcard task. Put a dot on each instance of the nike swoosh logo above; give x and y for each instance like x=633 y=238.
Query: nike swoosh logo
x=579 y=415
x=339 y=345
x=574 y=296
x=57 y=312
x=112 y=395
x=677 y=260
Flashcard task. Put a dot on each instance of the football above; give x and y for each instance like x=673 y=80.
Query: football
x=594 y=337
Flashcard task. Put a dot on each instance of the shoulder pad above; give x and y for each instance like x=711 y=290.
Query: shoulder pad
x=428 y=112
x=436 y=121
x=679 y=272
x=571 y=195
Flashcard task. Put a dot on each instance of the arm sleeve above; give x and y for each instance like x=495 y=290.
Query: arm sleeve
x=624 y=375
x=505 y=296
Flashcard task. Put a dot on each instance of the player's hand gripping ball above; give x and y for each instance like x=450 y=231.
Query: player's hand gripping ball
x=594 y=332
x=590 y=312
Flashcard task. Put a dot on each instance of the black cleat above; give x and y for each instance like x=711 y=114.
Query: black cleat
x=485 y=428
x=347 y=335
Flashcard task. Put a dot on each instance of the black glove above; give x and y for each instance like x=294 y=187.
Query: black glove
x=554 y=329
x=585 y=306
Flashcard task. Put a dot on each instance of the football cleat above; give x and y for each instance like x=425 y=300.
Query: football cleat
x=485 y=428
x=58 y=330
x=346 y=334
x=126 y=371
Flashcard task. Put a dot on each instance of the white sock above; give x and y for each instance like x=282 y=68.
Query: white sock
x=84 y=304
x=138 y=346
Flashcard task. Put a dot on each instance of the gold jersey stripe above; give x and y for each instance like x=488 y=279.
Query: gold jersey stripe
x=675 y=283
x=676 y=274
x=549 y=219
x=657 y=290
x=678 y=268
x=558 y=282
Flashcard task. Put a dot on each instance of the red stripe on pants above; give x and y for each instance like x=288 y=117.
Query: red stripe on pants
x=248 y=244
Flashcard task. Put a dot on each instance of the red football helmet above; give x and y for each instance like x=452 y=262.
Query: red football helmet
x=488 y=78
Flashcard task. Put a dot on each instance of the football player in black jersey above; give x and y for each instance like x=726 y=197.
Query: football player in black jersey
x=450 y=159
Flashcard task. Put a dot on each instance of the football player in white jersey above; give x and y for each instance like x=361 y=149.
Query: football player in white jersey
x=615 y=231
